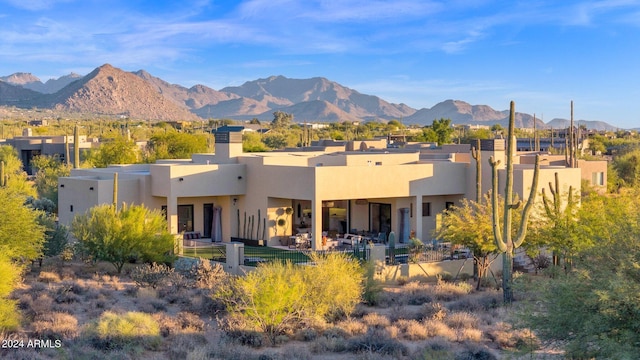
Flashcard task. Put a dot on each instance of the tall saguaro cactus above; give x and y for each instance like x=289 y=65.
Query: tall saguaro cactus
x=505 y=241
x=76 y=147
x=115 y=191
x=2 y=180
x=476 y=153
x=560 y=216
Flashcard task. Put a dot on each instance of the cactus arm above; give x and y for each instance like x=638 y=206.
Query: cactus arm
x=545 y=202
x=497 y=234
x=477 y=155
x=522 y=231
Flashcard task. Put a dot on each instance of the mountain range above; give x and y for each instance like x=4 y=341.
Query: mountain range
x=108 y=90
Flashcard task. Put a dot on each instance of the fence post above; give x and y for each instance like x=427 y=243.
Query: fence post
x=377 y=257
x=235 y=257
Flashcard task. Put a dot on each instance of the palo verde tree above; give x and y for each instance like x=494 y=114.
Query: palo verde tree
x=116 y=236
x=469 y=224
x=47 y=170
x=560 y=223
x=506 y=242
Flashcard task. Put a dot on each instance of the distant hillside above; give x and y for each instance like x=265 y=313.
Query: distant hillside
x=108 y=90
x=28 y=81
x=279 y=92
x=111 y=91
x=591 y=125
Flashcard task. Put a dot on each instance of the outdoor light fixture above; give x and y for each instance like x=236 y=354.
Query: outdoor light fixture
x=91 y=188
x=239 y=177
x=235 y=200
x=181 y=179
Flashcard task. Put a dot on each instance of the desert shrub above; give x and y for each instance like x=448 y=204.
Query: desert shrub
x=352 y=327
x=306 y=334
x=279 y=297
x=447 y=291
x=506 y=337
x=475 y=352
x=376 y=320
x=466 y=334
x=372 y=286
x=462 y=320
x=238 y=331
x=324 y=344
x=412 y=329
x=55 y=326
x=433 y=311
x=183 y=346
x=48 y=277
x=376 y=342
x=435 y=348
x=438 y=328
x=68 y=293
x=116 y=331
x=207 y=275
x=151 y=275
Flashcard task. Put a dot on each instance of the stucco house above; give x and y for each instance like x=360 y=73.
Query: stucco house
x=328 y=190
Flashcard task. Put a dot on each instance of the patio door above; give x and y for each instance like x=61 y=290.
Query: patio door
x=380 y=218
x=207 y=210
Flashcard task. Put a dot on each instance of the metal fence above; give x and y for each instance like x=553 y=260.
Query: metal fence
x=254 y=255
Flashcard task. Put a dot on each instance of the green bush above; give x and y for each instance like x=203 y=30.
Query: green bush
x=279 y=297
x=9 y=275
x=116 y=331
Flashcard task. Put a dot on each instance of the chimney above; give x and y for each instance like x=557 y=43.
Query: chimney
x=228 y=146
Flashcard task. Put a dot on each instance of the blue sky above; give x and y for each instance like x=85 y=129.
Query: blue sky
x=541 y=54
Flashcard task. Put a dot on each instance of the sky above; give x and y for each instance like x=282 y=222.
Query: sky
x=540 y=54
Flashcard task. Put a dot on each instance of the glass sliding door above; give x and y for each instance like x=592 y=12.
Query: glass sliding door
x=380 y=218
x=185 y=218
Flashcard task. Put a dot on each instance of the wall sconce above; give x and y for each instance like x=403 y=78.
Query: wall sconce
x=181 y=179
x=91 y=188
x=239 y=177
x=235 y=200
x=61 y=185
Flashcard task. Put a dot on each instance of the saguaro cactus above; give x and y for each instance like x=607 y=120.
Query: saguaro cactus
x=76 y=147
x=503 y=237
x=477 y=155
x=2 y=182
x=115 y=191
x=560 y=216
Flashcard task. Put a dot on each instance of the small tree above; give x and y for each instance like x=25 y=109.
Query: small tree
x=117 y=236
x=48 y=169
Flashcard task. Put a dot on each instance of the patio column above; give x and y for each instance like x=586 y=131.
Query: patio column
x=316 y=224
x=417 y=216
x=172 y=214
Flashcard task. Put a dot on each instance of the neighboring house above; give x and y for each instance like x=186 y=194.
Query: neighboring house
x=30 y=146
x=347 y=187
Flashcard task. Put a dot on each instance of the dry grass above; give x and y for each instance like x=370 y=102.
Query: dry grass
x=417 y=320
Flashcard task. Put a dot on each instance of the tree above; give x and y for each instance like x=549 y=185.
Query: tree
x=557 y=229
x=252 y=142
x=594 y=309
x=443 y=130
x=14 y=175
x=116 y=151
x=505 y=241
x=469 y=225
x=21 y=237
x=118 y=236
x=281 y=120
x=21 y=240
x=175 y=145
x=48 y=169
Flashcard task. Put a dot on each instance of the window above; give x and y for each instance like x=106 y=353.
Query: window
x=597 y=178
x=185 y=218
x=448 y=205
x=426 y=209
x=378 y=163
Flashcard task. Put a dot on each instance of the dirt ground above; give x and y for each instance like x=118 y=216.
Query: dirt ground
x=61 y=302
